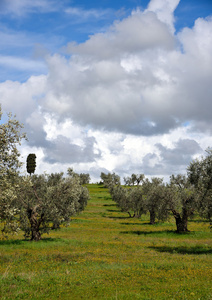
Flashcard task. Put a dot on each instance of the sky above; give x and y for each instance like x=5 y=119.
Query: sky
x=109 y=86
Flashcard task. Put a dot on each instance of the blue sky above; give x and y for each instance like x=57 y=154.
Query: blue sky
x=28 y=31
x=109 y=85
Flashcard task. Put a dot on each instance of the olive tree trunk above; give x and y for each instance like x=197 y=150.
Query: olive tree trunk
x=181 y=222
x=152 y=216
x=131 y=216
x=35 y=224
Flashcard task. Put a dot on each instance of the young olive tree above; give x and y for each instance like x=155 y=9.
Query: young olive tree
x=10 y=138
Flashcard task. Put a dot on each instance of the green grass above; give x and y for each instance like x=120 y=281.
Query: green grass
x=104 y=254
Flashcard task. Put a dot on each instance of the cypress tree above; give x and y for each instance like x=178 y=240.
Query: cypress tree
x=31 y=163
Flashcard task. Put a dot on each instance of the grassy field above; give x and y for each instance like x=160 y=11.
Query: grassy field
x=104 y=254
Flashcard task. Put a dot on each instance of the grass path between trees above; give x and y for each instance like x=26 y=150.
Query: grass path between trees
x=104 y=254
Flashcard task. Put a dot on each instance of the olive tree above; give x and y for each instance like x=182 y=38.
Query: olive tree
x=110 y=179
x=71 y=173
x=200 y=175
x=137 y=201
x=127 y=180
x=120 y=195
x=133 y=178
x=47 y=201
x=155 y=201
x=84 y=178
x=11 y=137
x=181 y=201
x=129 y=200
x=138 y=178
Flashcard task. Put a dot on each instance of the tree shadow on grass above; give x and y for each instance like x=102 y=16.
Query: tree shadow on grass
x=140 y=224
x=23 y=241
x=105 y=198
x=11 y=242
x=118 y=218
x=49 y=239
x=162 y=232
x=183 y=249
x=198 y=221
x=109 y=205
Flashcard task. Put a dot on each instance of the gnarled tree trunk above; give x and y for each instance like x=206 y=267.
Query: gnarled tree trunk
x=181 y=222
x=35 y=224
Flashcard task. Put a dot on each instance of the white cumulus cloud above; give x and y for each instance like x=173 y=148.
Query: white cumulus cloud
x=136 y=98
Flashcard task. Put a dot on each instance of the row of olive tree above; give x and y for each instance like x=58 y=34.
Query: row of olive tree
x=34 y=204
x=141 y=199
x=181 y=197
